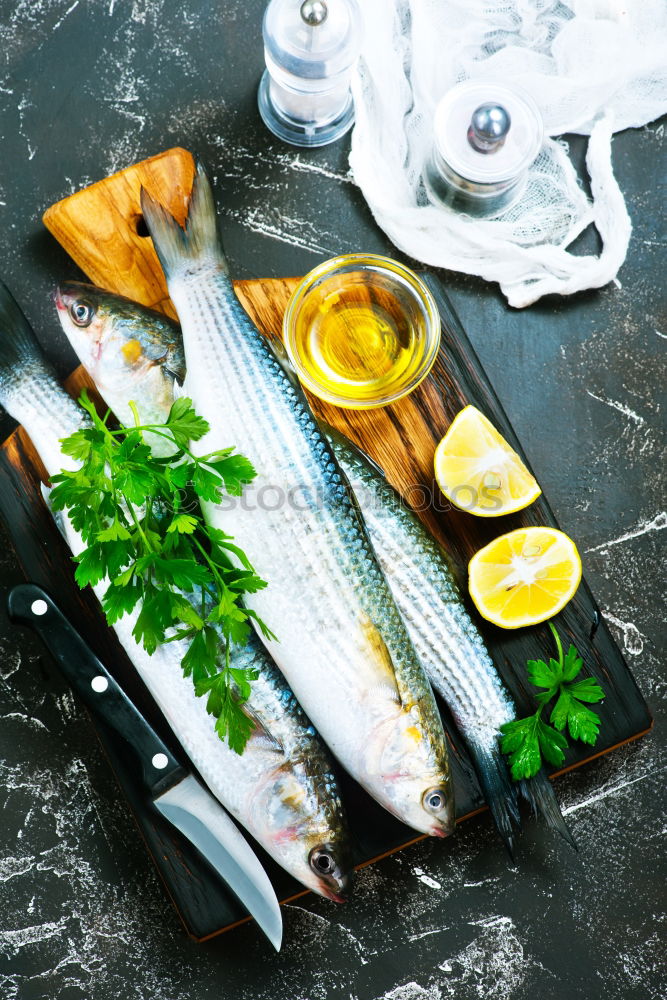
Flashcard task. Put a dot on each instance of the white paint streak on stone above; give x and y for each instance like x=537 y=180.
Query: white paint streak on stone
x=329 y=927
x=22 y=107
x=606 y=792
x=303 y=166
x=28 y=719
x=66 y=15
x=426 y=879
x=655 y=524
x=11 y=867
x=435 y=930
x=11 y=941
x=294 y=231
x=492 y=966
x=621 y=407
x=412 y=991
x=633 y=640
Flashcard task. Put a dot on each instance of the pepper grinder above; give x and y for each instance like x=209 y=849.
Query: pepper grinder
x=310 y=48
x=486 y=136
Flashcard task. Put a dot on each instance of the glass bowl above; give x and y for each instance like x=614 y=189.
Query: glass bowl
x=361 y=331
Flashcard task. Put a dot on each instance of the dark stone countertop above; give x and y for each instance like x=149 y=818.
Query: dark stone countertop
x=89 y=87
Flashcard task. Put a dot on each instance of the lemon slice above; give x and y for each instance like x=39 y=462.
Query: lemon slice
x=478 y=471
x=524 y=577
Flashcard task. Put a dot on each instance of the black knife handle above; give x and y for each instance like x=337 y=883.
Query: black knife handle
x=30 y=605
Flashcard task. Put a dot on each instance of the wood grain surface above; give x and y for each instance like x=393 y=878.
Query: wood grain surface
x=102 y=229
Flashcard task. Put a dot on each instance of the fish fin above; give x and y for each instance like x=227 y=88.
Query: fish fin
x=261 y=734
x=179 y=390
x=197 y=245
x=174 y=367
x=542 y=798
x=499 y=790
x=381 y=656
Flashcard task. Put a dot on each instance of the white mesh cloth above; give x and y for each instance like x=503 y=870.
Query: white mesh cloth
x=593 y=67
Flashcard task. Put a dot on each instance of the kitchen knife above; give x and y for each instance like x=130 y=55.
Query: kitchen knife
x=172 y=789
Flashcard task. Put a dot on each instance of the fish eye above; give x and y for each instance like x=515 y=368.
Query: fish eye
x=434 y=800
x=81 y=312
x=322 y=861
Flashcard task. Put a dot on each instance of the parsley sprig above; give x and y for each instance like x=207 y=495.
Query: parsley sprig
x=140 y=519
x=527 y=741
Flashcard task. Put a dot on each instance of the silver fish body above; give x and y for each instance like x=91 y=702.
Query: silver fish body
x=447 y=642
x=341 y=642
x=282 y=788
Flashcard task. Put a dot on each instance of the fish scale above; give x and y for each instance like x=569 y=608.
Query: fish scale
x=357 y=676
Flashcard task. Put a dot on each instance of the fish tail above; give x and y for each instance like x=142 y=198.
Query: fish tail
x=21 y=357
x=193 y=247
x=499 y=791
x=540 y=794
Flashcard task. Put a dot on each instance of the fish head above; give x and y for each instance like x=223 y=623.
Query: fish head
x=127 y=349
x=302 y=821
x=408 y=772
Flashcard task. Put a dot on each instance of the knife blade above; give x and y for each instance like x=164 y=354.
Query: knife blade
x=170 y=786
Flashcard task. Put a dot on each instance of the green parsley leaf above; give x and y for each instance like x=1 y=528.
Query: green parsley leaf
x=572 y=664
x=201 y=659
x=520 y=742
x=119 y=601
x=544 y=675
x=184 y=423
x=582 y=723
x=586 y=689
x=527 y=742
x=207 y=484
x=91 y=566
x=78 y=445
x=140 y=520
x=236 y=471
x=184 y=524
x=115 y=532
x=552 y=743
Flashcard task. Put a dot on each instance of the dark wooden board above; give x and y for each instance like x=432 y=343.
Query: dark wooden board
x=402 y=440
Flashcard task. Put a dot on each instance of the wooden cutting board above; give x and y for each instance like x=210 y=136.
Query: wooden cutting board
x=103 y=230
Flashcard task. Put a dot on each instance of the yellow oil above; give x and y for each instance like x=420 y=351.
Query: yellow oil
x=360 y=342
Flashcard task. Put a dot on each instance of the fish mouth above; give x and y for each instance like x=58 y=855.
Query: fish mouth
x=444 y=827
x=58 y=300
x=337 y=888
x=335 y=897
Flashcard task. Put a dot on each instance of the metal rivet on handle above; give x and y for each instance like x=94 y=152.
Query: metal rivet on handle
x=39 y=607
x=99 y=684
x=160 y=761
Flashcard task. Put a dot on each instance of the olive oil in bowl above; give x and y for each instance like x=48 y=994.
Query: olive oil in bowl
x=361 y=331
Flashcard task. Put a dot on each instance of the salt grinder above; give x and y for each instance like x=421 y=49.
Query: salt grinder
x=486 y=136
x=310 y=48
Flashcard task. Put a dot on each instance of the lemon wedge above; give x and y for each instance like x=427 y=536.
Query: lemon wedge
x=524 y=577
x=478 y=471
